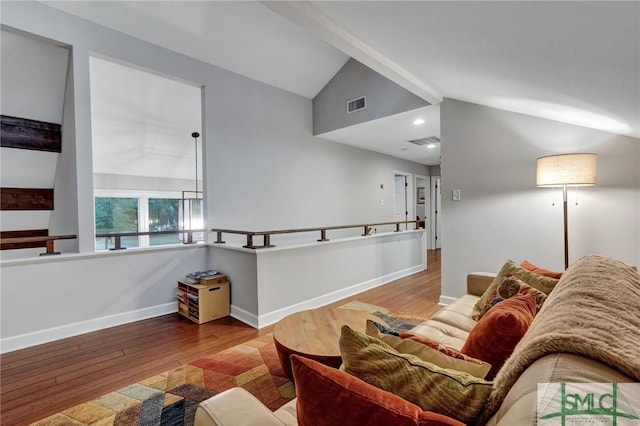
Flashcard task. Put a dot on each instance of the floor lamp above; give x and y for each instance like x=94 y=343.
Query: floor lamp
x=566 y=170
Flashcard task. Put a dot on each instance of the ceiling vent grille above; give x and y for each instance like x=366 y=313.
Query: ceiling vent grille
x=425 y=141
x=357 y=104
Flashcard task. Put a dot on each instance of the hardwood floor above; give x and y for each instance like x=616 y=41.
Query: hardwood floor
x=45 y=379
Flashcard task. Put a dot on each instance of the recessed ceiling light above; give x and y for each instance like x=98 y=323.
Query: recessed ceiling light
x=418 y=121
x=431 y=145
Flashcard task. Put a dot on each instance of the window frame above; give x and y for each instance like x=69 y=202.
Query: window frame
x=143 y=197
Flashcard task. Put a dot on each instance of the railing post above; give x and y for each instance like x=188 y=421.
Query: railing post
x=397 y=227
x=266 y=240
x=189 y=236
x=117 y=243
x=367 y=230
x=323 y=235
x=249 y=241
x=219 y=238
x=50 y=250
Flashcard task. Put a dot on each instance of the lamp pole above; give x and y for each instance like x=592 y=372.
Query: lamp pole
x=566 y=227
x=195 y=136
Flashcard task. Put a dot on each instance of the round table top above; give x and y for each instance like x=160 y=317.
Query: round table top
x=317 y=331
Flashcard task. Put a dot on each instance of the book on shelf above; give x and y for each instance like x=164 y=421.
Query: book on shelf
x=210 y=277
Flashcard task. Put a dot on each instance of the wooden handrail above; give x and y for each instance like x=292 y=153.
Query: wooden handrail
x=117 y=236
x=49 y=240
x=323 y=232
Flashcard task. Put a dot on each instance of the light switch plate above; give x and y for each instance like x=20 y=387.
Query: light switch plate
x=456 y=195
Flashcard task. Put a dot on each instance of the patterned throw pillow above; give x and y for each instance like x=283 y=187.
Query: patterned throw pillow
x=499 y=331
x=451 y=393
x=511 y=286
x=540 y=282
x=428 y=350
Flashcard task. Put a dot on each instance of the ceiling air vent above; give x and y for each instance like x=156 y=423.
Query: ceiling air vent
x=356 y=104
x=425 y=141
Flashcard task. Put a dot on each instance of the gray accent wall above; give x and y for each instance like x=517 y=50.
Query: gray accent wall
x=490 y=156
x=384 y=98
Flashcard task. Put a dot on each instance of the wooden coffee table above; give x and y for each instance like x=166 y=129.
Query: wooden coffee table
x=315 y=334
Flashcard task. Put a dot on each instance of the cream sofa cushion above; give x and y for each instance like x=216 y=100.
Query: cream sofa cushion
x=442 y=333
x=458 y=314
x=520 y=405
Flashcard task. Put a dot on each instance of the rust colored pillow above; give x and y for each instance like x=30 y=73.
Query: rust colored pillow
x=540 y=271
x=499 y=331
x=327 y=396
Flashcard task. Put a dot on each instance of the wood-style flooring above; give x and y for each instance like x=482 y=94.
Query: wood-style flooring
x=42 y=380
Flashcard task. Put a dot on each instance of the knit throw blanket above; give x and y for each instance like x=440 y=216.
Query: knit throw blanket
x=594 y=311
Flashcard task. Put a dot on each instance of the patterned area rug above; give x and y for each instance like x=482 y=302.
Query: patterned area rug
x=171 y=398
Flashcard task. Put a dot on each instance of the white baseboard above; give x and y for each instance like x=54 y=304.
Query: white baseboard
x=275 y=316
x=244 y=316
x=26 y=340
x=445 y=300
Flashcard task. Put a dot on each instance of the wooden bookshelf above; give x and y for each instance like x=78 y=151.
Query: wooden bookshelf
x=204 y=301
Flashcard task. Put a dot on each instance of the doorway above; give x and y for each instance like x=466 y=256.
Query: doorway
x=423 y=203
x=403 y=200
x=436 y=213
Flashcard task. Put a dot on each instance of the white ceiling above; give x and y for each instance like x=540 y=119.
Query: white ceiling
x=241 y=36
x=391 y=135
x=576 y=62
x=141 y=123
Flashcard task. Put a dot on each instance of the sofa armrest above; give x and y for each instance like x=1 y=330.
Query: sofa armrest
x=234 y=407
x=479 y=282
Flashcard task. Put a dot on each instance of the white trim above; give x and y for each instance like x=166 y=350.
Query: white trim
x=275 y=316
x=244 y=316
x=75 y=256
x=446 y=300
x=26 y=340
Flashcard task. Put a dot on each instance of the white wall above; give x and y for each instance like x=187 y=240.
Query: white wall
x=33 y=87
x=263 y=169
x=45 y=299
x=266 y=171
x=490 y=155
x=267 y=285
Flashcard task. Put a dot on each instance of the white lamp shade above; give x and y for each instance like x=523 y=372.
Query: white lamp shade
x=566 y=169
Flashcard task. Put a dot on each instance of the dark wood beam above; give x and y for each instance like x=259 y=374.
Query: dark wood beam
x=24 y=234
x=26 y=199
x=23 y=133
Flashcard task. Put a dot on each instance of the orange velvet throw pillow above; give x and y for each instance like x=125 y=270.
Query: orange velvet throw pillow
x=329 y=397
x=498 y=332
x=540 y=271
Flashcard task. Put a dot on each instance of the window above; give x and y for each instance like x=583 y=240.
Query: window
x=164 y=215
x=143 y=211
x=116 y=215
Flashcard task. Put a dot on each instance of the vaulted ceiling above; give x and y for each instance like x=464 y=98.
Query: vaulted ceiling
x=577 y=62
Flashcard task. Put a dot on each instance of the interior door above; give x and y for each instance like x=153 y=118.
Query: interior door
x=401 y=210
x=436 y=205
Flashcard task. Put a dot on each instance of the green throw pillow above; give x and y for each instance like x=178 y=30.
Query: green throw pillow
x=540 y=282
x=510 y=287
x=452 y=393
x=430 y=351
